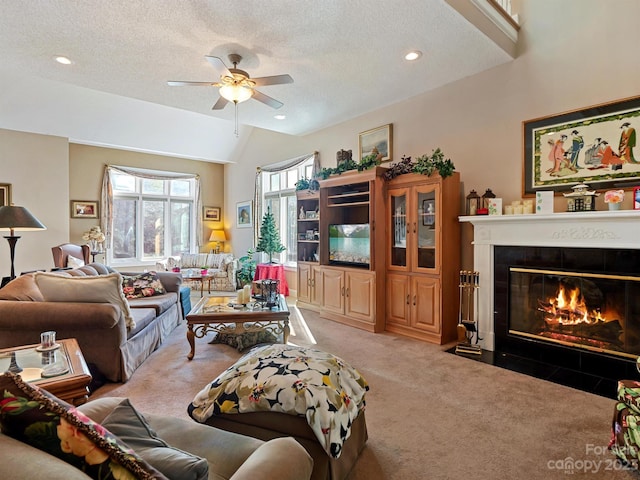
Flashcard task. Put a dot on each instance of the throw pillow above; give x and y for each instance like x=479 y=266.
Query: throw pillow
x=73 y=262
x=143 y=285
x=45 y=422
x=85 y=289
x=132 y=428
x=242 y=341
x=22 y=288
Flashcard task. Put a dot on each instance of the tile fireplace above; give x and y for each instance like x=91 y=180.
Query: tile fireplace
x=561 y=289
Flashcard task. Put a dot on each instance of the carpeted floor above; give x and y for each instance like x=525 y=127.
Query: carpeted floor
x=430 y=414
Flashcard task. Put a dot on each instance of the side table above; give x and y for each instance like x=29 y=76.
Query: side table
x=71 y=386
x=273 y=271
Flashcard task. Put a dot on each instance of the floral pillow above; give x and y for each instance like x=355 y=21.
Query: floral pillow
x=144 y=285
x=45 y=422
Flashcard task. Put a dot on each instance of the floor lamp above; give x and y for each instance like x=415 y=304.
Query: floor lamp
x=17 y=218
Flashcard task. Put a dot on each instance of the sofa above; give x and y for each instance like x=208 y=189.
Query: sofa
x=222 y=267
x=228 y=455
x=115 y=334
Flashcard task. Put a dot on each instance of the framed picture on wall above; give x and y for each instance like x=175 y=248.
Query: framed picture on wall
x=5 y=194
x=378 y=139
x=593 y=145
x=212 y=214
x=84 y=209
x=244 y=214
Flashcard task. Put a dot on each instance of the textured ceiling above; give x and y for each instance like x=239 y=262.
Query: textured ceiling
x=345 y=56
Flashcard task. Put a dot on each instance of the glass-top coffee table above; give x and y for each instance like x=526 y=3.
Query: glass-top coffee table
x=61 y=371
x=222 y=315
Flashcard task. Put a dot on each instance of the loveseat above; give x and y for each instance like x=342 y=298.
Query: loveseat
x=115 y=334
x=228 y=455
x=222 y=267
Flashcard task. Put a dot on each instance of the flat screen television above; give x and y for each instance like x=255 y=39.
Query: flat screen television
x=350 y=245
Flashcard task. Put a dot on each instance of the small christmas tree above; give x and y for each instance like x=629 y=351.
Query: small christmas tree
x=269 y=240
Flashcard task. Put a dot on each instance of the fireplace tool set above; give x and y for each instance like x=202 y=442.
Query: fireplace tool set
x=468 y=333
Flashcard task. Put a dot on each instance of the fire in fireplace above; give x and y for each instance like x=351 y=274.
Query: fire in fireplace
x=593 y=311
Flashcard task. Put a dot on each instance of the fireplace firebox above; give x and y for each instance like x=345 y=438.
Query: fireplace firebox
x=577 y=308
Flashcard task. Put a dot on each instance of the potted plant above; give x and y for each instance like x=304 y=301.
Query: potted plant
x=246 y=269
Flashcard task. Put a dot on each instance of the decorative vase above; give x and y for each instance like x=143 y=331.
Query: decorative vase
x=614 y=206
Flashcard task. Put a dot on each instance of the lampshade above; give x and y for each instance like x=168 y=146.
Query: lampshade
x=236 y=93
x=217 y=236
x=18 y=218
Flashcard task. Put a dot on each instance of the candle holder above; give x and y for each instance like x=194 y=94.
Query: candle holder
x=269 y=294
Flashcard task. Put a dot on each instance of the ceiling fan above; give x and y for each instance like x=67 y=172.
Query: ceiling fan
x=235 y=85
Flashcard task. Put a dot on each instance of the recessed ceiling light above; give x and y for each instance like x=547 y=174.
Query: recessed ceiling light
x=413 y=55
x=63 y=60
x=280 y=117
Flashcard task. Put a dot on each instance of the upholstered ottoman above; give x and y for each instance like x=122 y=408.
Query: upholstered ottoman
x=283 y=390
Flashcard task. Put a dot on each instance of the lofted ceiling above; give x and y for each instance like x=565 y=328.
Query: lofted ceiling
x=345 y=56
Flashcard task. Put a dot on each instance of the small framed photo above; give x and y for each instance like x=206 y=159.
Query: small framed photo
x=84 y=209
x=379 y=140
x=211 y=213
x=302 y=236
x=5 y=194
x=309 y=235
x=636 y=198
x=244 y=214
x=428 y=212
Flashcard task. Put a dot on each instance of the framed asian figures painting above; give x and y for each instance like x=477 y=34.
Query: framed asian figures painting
x=378 y=139
x=594 y=145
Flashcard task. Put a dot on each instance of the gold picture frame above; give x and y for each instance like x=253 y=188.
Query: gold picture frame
x=84 y=209
x=211 y=214
x=380 y=138
x=5 y=194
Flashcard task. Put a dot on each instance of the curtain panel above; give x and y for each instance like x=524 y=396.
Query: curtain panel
x=106 y=215
x=273 y=168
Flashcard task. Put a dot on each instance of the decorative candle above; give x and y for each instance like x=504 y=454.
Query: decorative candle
x=247 y=293
x=508 y=209
x=240 y=296
x=517 y=210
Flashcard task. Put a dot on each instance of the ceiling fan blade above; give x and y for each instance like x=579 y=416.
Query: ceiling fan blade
x=274 y=80
x=191 y=84
x=219 y=66
x=267 y=100
x=220 y=104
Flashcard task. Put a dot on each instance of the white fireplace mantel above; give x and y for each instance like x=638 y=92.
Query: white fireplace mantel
x=609 y=229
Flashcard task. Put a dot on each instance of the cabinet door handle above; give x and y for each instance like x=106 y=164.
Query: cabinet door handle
x=414 y=227
x=347 y=293
x=408 y=299
x=414 y=300
x=313 y=282
x=342 y=291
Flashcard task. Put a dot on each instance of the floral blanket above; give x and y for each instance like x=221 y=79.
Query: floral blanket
x=294 y=380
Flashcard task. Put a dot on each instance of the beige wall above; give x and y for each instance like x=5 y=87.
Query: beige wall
x=572 y=54
x=87 y=163
x=37 y=167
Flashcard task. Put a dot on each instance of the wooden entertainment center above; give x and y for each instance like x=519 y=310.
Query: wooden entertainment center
x=405 y=280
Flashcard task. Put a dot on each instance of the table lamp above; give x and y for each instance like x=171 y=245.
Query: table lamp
x=17 y=218
x=219 y=237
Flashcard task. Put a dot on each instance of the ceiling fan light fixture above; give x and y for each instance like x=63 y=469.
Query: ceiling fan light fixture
x=236 y=93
